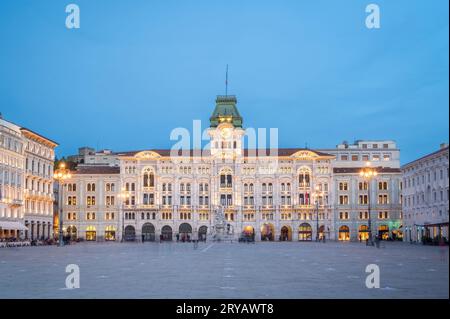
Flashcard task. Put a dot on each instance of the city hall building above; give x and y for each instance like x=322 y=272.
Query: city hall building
x=283 y=194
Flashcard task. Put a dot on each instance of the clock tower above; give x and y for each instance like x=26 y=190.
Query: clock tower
x=226 y=130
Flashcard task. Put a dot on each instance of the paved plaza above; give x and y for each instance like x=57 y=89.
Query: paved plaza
x=225 y=270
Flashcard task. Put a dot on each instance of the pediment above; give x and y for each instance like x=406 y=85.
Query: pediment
x=147 y=155
x=305 y=154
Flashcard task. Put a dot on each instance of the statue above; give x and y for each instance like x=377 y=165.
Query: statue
x=219 y=224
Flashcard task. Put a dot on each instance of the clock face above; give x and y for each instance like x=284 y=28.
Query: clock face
x=226 y=133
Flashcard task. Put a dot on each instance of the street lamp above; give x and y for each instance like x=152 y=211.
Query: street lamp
x=60 y=175
x=368 y=173
x=317 y=194
x=123 y=195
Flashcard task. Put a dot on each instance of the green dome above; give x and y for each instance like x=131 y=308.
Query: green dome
x=226 y=112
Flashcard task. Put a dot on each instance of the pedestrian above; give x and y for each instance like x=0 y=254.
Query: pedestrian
x=178 y=237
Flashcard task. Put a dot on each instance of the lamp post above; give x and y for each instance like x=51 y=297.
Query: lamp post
x=317 y=194
x=368 y=173
x=124 y=195
x=60 y=175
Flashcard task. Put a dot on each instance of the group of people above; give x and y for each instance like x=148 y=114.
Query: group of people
x=13 y=242
x=17 y=242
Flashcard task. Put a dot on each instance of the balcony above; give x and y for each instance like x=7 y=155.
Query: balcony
x=147 y=206
x=16 y=203
x=304 y=206
x=71 y=207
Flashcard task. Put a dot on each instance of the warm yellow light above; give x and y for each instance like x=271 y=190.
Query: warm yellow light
x=62 y=165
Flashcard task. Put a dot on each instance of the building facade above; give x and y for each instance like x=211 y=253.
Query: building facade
x=269 y=194
x=38 y=196
x=26 y=183
x=89 y=156
x=426 y=196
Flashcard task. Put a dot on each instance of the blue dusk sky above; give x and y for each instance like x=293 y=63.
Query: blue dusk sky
x=135 y=70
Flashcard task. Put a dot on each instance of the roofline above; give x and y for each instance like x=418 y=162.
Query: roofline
x=41 y=136
x=359 y=149
x=425 y=156
x=193 y=151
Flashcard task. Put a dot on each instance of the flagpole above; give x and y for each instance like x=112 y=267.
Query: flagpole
x=226 y=82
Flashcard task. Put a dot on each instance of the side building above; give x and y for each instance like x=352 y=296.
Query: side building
x=38 y=192
x=12 y=165
x=26 y=183
x=426 y=196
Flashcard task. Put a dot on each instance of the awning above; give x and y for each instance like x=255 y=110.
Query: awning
x=12 y=225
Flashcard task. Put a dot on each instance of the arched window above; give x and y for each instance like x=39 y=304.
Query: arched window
x=305 y=232
x=110 y=233
x=344 y=233
x=304 y=177
x=226 y=178
x=149 y=178
x=91 y=233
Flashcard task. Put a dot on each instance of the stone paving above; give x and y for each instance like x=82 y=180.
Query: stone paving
x=225 y=270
